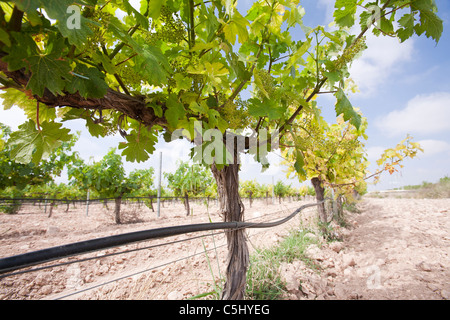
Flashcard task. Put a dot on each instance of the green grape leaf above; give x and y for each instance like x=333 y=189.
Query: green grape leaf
x=428 y=5
x=344 y=15
x=431 y=24
x=407 y=22
x=259 y=83
x=157 y=109
x=183 y=82
x=265 y=108
x=89 y=82
x=143 y=21
x=76 y=32
x=152 y=64
x=95 y=129
x=138 y=147
x=100 y=57
x=343 y=106
x=23 y=48
x=201 y=108
x=4 y=37
x=175 y=111
x=299 y=164
x=213 y=70
x=48 y=72
x=13 y=97
x=32 y=145
x=237 y=26
x=153 y=7
x=27 y=5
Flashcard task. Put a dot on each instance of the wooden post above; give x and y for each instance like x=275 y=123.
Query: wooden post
x=87 y=203
x=159 y=185
x=186 y=203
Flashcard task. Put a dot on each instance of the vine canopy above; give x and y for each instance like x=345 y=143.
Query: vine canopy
x=171 y=63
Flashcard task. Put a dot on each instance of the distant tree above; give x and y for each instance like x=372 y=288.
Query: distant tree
x=15 y=176
x=107 y=177
x=281 y=190
x=190 y=180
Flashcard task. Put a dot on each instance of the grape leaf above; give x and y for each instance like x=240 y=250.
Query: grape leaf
x=153 y=7
x=32 y=145
x=264 y=108
x=299 y=164
x=88 y=82
x=175 y=111
x=4 y=37
x=13 y=97
x=138 y=147
x=143 y=21
x=431 y=24
x=237 y=26
x=152 y=64
x=23 y=48
x=48 y=72
x=76 y=35
x=407 y=22
x=27 y=5
x=343 y=106
x=344 y=16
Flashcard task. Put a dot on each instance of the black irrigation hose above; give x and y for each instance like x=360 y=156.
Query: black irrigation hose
x=46 y=255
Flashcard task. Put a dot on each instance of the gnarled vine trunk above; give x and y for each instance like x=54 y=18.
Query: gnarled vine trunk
x=232 y=209
x=320 y=195
x=117 y=206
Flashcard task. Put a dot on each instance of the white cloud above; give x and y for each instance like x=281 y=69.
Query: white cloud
x=424 y=114
x=377 y=64
x=374 y=153
x=434 y=147
x=13 y=117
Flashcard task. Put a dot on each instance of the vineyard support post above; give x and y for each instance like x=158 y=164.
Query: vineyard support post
x=186 y=203
x=159 y=186
x=45 y=205
x=87 y=202
x=273 y=191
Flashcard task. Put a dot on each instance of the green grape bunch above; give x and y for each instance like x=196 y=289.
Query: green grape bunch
x=169 y=28
x=267 y=82
x=350 y=53
x=103 y=18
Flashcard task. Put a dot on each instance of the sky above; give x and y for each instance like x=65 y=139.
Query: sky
x=404 y=88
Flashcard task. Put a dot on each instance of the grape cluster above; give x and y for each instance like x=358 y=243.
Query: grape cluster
x=103 y=18
x=266 y=81
x=128 y=75
x=169 y=28
x=234 y=114
x=350 y=53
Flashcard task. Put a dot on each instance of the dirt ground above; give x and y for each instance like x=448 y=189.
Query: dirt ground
x=392 y=249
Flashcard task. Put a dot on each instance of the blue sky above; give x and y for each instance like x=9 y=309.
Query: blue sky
x=404 y=89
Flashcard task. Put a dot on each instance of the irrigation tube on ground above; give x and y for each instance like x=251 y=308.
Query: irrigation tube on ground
x=46 y=255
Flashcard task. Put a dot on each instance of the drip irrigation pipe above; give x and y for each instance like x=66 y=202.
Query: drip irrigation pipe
x=64 y=251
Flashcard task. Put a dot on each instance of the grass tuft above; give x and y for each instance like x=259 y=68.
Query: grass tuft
x=264 y=280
